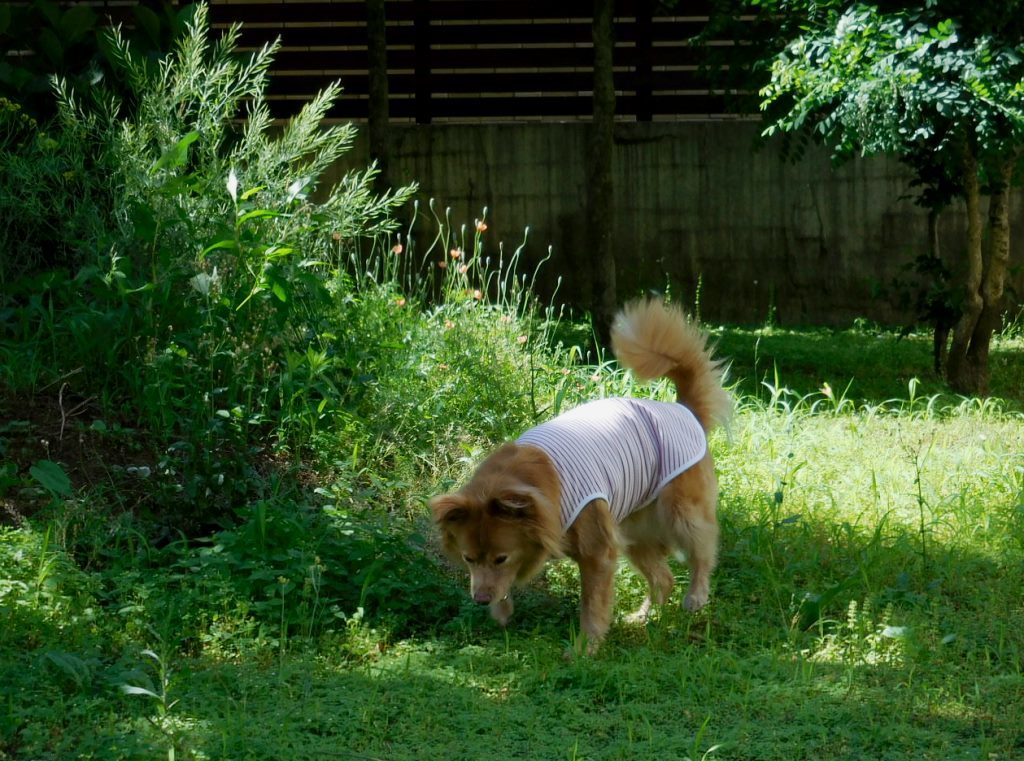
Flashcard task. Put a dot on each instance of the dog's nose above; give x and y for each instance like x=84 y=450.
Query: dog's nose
x=482 y=597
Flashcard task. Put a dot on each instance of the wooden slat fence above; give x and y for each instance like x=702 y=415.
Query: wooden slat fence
x=489 y=60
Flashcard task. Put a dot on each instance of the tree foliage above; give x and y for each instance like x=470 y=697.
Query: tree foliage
x=943 y=90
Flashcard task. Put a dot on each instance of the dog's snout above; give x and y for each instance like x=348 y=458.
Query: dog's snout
x=482 y=597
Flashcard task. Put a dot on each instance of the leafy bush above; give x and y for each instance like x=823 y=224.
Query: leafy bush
x=192 y=280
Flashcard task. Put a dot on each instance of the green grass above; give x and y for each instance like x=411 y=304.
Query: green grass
x=867 y=606
x=865 y=364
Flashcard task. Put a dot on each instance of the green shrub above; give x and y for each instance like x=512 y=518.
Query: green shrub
x=199 y=298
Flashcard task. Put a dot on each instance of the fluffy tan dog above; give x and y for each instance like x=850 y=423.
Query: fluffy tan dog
x=627 y=474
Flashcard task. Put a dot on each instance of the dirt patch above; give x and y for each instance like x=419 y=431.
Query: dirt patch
x=58 y=425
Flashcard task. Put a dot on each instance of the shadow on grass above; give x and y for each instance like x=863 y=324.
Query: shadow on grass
x=520 y=700
x=914 y=653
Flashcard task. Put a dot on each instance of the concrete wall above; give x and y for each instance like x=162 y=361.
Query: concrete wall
x=695 y=202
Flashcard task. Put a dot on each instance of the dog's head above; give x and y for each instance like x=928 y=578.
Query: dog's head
x=504 y=524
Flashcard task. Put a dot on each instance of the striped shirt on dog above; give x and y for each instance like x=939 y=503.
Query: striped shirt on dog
x=623 y=451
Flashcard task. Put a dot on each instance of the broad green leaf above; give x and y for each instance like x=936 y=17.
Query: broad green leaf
x=77 y=22
x=257 y=214
x=218 y=245
x=148 y=22
x=177 y=155
x=51 y=477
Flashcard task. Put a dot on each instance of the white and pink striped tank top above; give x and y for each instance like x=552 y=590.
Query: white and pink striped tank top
x=623 y=451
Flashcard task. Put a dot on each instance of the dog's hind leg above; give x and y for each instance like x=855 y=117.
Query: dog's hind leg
x=699 y=542
x=650 y=560
x=687 y=507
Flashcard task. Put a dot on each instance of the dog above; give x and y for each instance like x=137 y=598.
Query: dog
x=614 y=474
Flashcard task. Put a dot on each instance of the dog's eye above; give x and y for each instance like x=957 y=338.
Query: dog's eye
x=500 y=559
x=468 y=559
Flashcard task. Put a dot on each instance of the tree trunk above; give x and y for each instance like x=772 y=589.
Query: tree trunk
x=940 y=323
x=993 y=285
x=959 y=370
x=379 y=112
x=600 y=191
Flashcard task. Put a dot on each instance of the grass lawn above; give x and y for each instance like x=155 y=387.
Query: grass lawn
x=867 y=605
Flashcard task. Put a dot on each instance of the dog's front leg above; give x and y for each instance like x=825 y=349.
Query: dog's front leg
x=501 y=610
x=593 y=547
x=597 y=581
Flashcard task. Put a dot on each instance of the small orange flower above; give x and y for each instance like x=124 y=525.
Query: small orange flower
x=399 y=302
x=397 y=248
x=463 y=269
x=456 y=253
x=448 y=324
x=480 y=225
x=442 y=264
x=478 y=294
x=522 y=339
x=336 y=236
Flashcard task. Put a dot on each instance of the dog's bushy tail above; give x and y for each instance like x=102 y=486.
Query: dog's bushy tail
x=656 y=340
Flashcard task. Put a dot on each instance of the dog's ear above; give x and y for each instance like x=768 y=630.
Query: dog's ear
x=518 y=501
x=533 y=512
x=449 y=508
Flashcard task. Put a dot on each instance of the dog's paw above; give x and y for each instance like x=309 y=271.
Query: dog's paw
x=580 y=649
x=583 y=643
x=641 y=615
x=694 y=601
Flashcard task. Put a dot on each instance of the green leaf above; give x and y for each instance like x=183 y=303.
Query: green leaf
x=176 y=157
x=144 y=222
x=51 y=477
x=149 y=23
x=77 y=22
x=215 y=246
x=280 y=292
x=257 y=214
x=50 y=46
x=252 y=191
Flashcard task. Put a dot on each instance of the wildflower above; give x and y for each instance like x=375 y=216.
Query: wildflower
x=522 y=339
x=448 y=324
x=397 y=249
x=463 y=269
x=478 y=294
x=442 y=264
x=456 y=253
x=505 y=319
x=826 y=391
x=480 y=225
x=400 y=302
x=336 y=236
